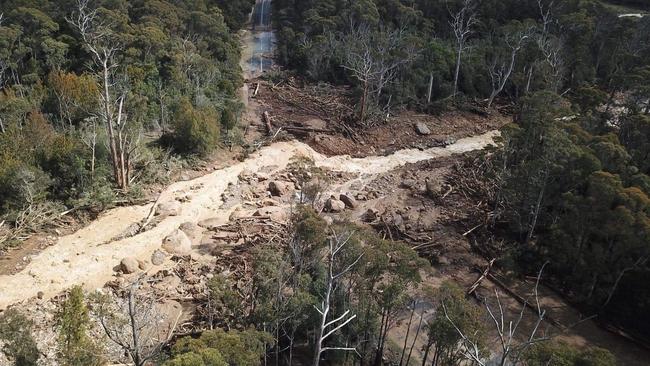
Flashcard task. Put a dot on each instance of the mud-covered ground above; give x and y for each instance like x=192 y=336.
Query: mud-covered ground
x=323 y=117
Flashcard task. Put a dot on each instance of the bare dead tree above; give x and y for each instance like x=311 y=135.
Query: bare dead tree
x=359 y=60
x=499 y=74
x=3 y=69
x=388 y=63
x=374 y=59
x=552 y=49
x=89 y=138
x=512 y=348
x=640 y=263
x=326 y=328
x=133 y=323
x=461 y=24
x=546 y=21
x=104 y=49
x=550 y=46
x=546 y=12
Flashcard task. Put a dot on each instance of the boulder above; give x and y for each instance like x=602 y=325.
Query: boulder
x=269 y=202
x=238 y=214
x=398 y=220
x=348 y=200
x=433 y=188
x=315 y=123
x=278 y=189
x=172 y=208
x=158 y=257
x=193 y=231
x=450 y=140
x=211 y=224
x=334 y=205
x=129 y=265
x=142 y=265
x=277 y=214
x=370 y=215
x=422 y=129
x=169 y=283
x=177 y=243
x=408 y=183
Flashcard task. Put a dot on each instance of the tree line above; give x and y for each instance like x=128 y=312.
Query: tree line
x=88 y=87
x=426 y=54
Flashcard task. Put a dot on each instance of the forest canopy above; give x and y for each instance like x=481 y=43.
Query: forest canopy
x=572 y=171
x=87 y=87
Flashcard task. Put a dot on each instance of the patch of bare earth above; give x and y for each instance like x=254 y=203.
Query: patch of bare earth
x=322 y=115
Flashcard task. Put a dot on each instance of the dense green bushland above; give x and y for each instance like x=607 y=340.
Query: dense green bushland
x=573 y=172
x=575 y=191
x=172 y=68
x=562 y=46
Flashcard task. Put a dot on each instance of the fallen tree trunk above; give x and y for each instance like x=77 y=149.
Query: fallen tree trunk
x=480 y=279
x=523 y=301
x=307 y=129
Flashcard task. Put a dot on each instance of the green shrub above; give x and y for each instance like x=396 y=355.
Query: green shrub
x=561 y=354
x=75 y=347
x=66 y=160
x=21 y=184
x=19 y=345
x=196 y=130
x=218 y=347
x=228 y=119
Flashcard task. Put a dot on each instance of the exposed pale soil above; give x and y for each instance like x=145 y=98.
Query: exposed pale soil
x=225 y=199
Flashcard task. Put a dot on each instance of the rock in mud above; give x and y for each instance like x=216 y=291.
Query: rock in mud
x=238 y=214
x=211 y=224
x=334 y=205
x=370 y=215
x=129 y=265
x=177 y=243
x=269 y=202
x=278 y=188
x=450 y=140
x=422 y=129
x=348 y=200
x=315 y=123
x=193 y=231
x=172 y=208
x=169 y=283
x=158 y=257
x=277 y=214
x=433 y=188
x=408 y=183
x=143 y=265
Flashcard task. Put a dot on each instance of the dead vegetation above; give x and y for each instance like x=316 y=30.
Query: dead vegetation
x=323 y=115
